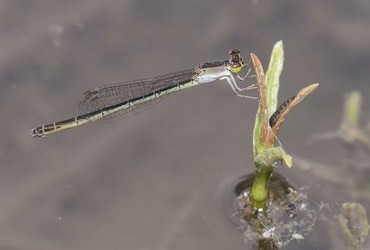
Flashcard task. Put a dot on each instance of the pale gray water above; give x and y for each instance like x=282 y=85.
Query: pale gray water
x=158 y=180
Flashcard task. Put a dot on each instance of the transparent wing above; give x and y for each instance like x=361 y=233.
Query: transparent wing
x=109 y=95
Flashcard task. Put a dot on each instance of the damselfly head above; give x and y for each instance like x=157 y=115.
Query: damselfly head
x=236 y=63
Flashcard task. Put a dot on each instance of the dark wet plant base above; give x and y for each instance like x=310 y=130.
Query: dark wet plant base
x=289 y=215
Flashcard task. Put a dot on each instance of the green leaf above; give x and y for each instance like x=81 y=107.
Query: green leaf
x=272 y=77
x=269 y=156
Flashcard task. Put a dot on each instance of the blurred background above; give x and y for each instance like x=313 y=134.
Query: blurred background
x=159 y=180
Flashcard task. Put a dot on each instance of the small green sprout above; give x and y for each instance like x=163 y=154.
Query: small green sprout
x=266 y=154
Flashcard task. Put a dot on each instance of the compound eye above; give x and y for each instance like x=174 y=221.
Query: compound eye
x=233 y=52
x=236 y=63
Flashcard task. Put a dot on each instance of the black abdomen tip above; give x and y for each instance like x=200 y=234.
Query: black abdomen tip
x=37 y=132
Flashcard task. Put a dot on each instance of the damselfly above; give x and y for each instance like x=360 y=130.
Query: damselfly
x=128 y=98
